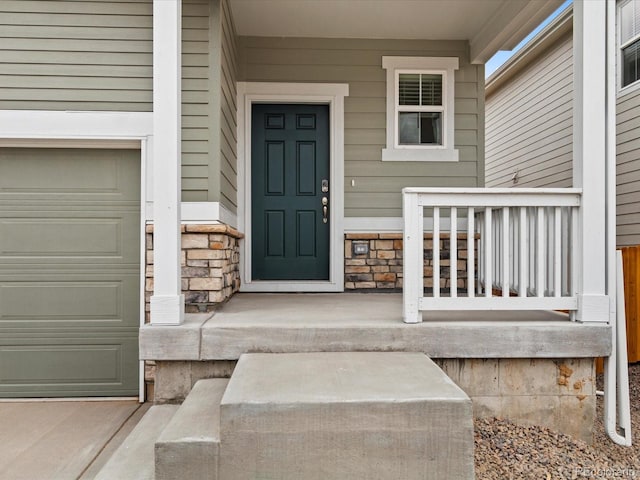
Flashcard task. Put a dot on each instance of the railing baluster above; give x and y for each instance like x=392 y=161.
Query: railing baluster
x=471 y=245
x=480 y=250
x=497 y=249
x=566 y=250
x=488 y=246
x=436 y=252
x=540 y=258
x=505 y=252
x=513 y=251
x=524 y=252
x=575 y=267
x=453 y=257
x=557 y=251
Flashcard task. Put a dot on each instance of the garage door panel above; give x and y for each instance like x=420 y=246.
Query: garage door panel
x=69 y=272
x=87 y=303
x=84 y=239
x=45 y=173
x=77 y=366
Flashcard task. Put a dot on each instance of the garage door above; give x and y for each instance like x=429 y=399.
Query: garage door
x=69 y=272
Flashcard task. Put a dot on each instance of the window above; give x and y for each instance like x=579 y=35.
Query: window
x=629 y=38
x=420 y=102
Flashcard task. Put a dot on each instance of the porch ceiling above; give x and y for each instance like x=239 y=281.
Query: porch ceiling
x=489 y=25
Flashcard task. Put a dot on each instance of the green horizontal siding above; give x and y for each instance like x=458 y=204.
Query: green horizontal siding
x=97 y=56
x=195 y=100
x=228 y=109
x=358 y=62
x=76 y=55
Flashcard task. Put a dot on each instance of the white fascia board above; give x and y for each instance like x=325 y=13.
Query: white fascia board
x=546 y=38
x=47 y=124
x=508 y=26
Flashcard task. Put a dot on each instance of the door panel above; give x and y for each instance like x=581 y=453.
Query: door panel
x=290 y=158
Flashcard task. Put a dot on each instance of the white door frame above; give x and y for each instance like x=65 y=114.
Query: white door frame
x=331 y=94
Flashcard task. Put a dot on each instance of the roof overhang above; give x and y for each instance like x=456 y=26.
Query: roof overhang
x=547 y=38
x=488 y=25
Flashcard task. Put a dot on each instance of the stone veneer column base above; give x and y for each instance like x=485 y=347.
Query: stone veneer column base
x=556 y=393
x=210 y=265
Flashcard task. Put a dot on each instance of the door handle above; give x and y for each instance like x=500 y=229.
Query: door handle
x=325 y=209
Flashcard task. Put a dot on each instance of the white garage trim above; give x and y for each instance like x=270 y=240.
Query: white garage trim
x=47 y=124
x=109 y=130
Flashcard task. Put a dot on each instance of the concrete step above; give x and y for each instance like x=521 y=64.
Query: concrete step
x=134 y=460
x=189 y=445
x=333 y=416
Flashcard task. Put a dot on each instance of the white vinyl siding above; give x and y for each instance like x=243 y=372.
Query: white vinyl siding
x=552 y=74
x=628 y=168
x=529 y=123
x=358 y=62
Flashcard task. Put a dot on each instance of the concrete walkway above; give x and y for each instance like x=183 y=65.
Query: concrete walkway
x=62 y=440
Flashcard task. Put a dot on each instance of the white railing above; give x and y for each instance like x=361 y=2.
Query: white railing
x=520 y=246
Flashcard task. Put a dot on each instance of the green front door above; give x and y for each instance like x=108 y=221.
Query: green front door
x=290 y=192
x=69 y=272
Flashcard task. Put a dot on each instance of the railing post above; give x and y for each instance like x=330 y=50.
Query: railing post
x=413 y=257
x=589 y=150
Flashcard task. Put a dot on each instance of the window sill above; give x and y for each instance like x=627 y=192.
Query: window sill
x=631 y=88
x=419 y=155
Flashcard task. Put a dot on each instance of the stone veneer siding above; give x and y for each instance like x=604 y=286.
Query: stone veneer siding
x=210 y=266
x=381 y=268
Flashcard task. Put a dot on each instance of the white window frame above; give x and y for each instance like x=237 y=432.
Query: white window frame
x=445 y=66
x=632 y=87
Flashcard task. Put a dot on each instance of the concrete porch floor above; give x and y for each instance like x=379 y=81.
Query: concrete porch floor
x=297 y=323
x=60 y=439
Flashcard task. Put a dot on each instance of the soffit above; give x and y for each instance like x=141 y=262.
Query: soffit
x=490 y=24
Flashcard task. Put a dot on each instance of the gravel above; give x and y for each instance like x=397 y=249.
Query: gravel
x=504 y=450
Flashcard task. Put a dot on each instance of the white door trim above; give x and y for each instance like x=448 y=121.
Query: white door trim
x=331 y=94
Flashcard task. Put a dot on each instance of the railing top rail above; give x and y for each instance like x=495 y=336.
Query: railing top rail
x=495 y=197
x=492 y=191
